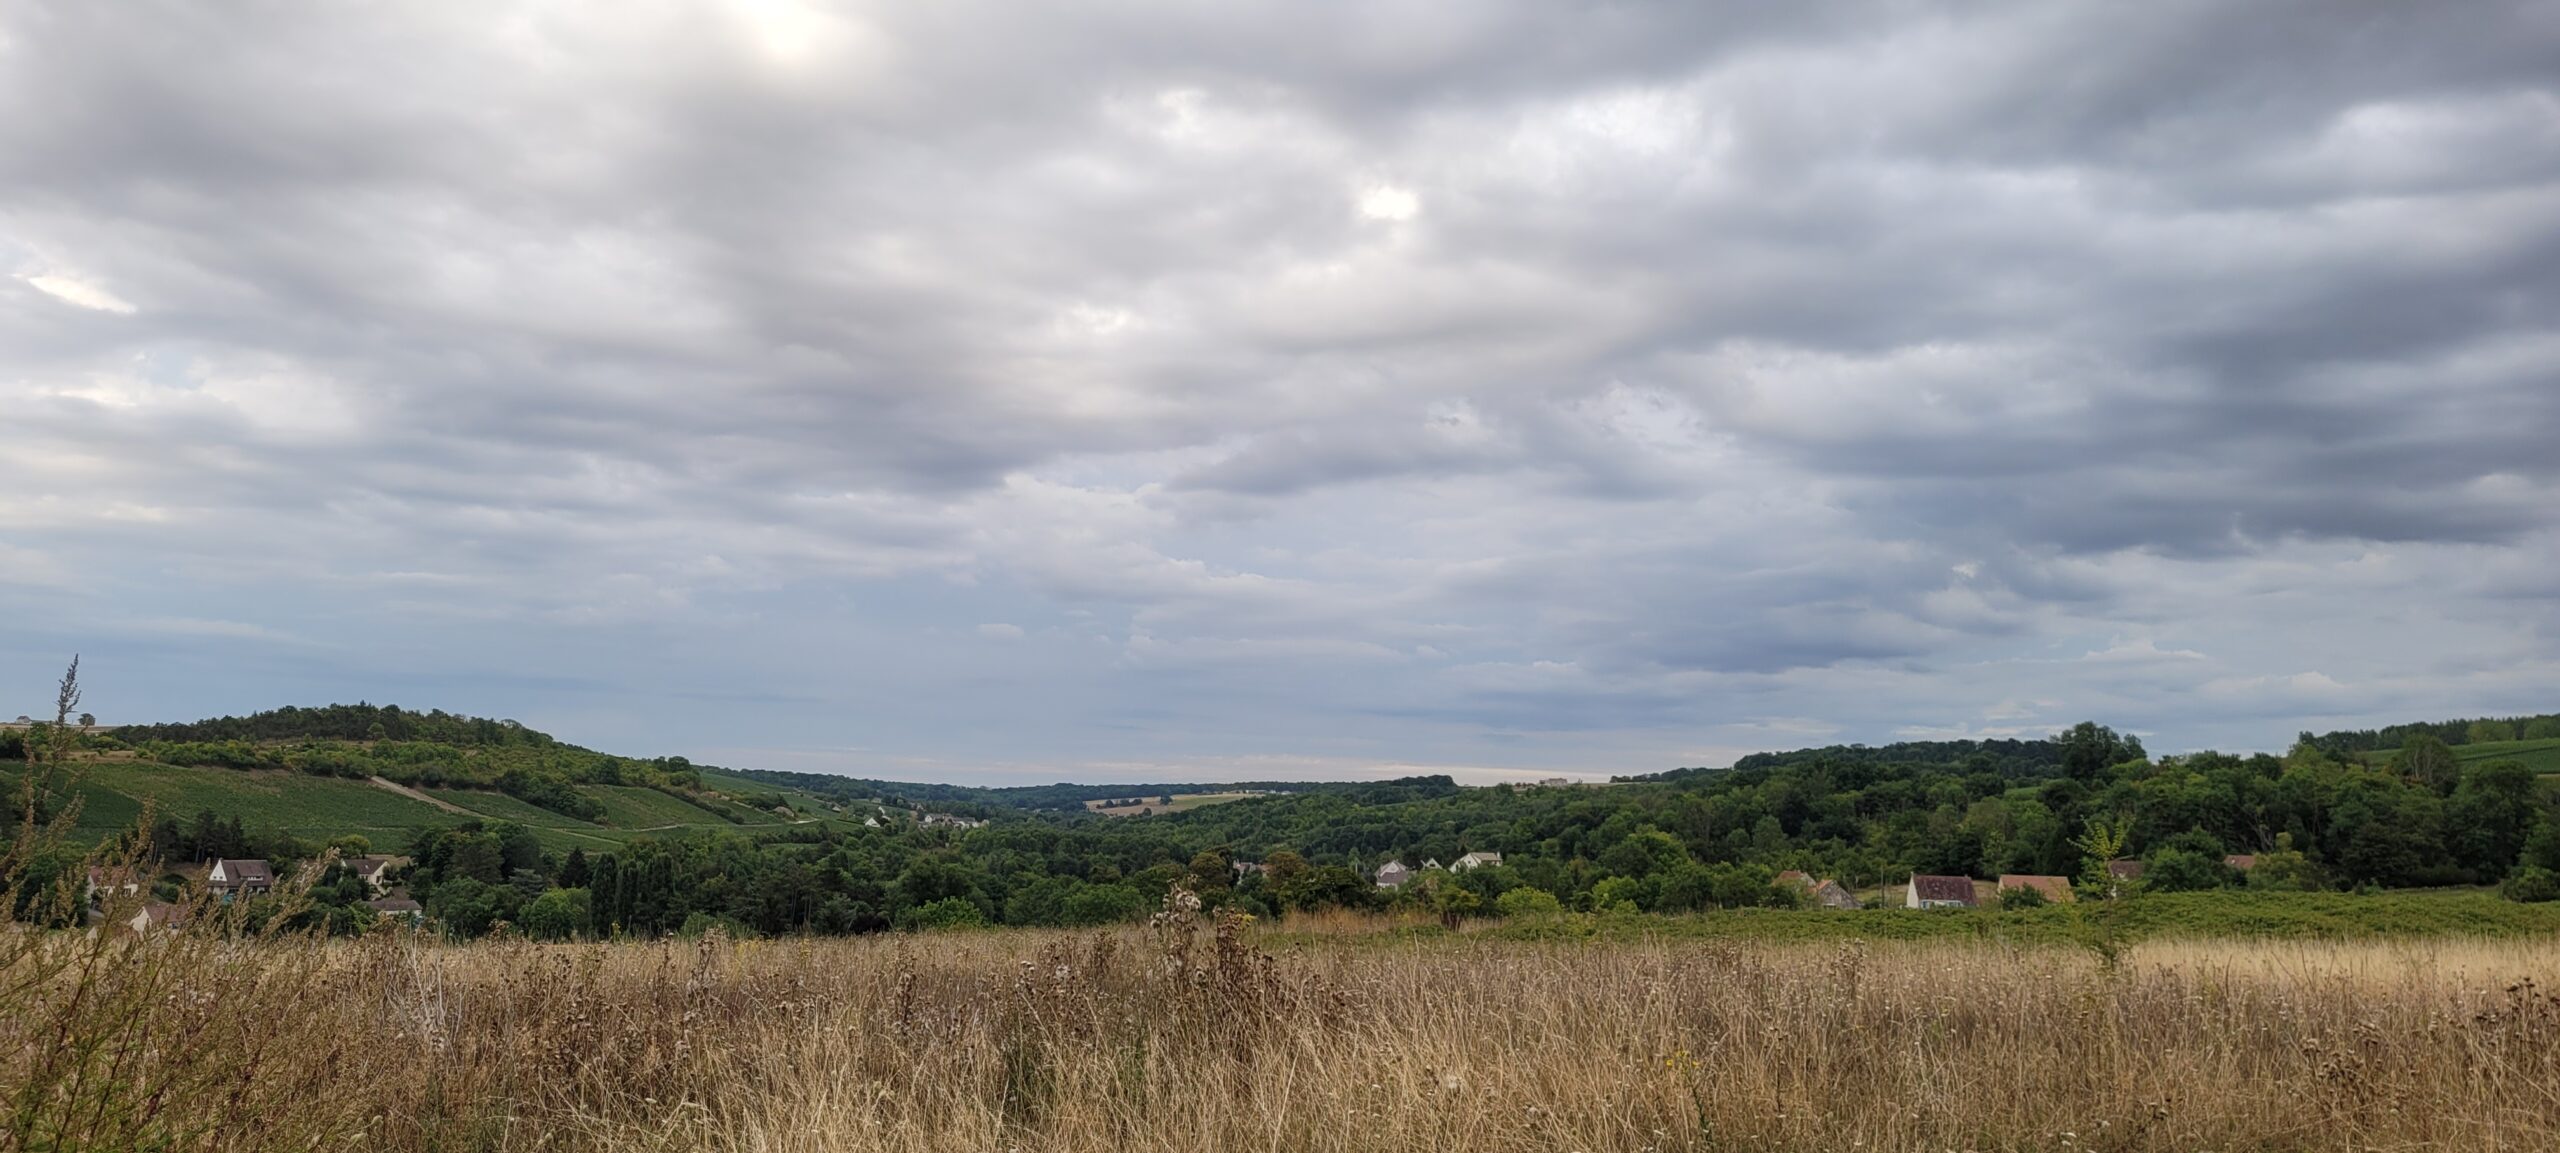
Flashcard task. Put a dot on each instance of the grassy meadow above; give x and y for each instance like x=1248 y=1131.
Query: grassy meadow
x=1193 y=1036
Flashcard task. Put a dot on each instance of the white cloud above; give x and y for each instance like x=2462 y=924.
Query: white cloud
x=1389 y=202
x=80 y=292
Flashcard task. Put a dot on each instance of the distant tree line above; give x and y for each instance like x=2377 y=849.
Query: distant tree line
x=356 y=722
x=2472 y=731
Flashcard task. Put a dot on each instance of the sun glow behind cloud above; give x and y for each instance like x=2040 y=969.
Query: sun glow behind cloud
x=85 y=295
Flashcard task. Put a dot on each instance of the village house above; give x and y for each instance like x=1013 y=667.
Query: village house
x=2241 y=862
x=1793 y=878
x=108 y=881
x=1393 y=875
x=1432 y=863
x=2055 y=889
x=2125 y=869
x=376 y=871
x=157 y=916
x=1477 y=861
x=1246 y=869
x=1928 y=892
x=232 y=877
x=1829 y=894
x=397 y=908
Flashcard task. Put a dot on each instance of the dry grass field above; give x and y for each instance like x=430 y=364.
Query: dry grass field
x=1191 y=1037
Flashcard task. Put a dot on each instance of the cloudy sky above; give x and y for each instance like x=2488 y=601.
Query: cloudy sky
x=1130 y=389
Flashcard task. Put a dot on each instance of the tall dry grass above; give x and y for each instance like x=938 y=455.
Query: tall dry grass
x=1191 y=1038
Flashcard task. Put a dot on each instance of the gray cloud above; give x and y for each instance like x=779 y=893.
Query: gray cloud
x=1605 y=386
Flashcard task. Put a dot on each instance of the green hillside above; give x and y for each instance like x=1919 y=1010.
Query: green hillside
x=114 y=793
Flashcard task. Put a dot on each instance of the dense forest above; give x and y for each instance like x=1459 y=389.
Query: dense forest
x=1682 y=840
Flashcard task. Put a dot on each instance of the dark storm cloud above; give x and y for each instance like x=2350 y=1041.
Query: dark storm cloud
x=1635 y=370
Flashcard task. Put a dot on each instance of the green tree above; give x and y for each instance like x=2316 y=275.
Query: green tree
x=2089 y=749
x=468 y=907
x=1209 y=873
x=1644 y=853
x=1616 y=895
x=2103 y=841
x=945 y=913
x=2489 y=816
x=2382 y=832
x=574 y=871
x=2174 y=870
x=610 y=908
x=2486 y=732
x=1103 y=905
x=1453 y=903
x=1527 y=901
x=2429 y=762
x=1329 y=887
x=559 y=915
x=2284 y=869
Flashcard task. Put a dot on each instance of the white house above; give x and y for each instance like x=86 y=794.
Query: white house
x=376 y=871
x=1927 y=892
x=1393 y=875
x=240 y=878
x=1477 y=860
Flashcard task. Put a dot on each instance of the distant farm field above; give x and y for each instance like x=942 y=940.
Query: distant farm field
x=1173 y=803
x=2541 y=756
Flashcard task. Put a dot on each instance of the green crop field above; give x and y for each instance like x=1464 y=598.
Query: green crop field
x=501 y=807
x=634 y=807
x=113 y=794
x=2541 y=756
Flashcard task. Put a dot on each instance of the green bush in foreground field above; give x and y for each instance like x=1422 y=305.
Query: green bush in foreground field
x=2532 y=884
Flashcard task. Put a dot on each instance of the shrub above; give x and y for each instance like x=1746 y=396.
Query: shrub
x=1102 y=905
x=559 y=915
x=1617 y=894
x=2184 y=871
x=2022 y=897
x=947 y=913
x=1527 y=901
x=2531 y=883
